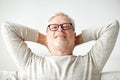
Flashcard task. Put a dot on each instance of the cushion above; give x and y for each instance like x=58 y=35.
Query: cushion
x=8 y=75
x=110 y=75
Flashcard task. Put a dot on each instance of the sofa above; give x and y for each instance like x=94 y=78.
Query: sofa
x=8 y=75
x=110 y=75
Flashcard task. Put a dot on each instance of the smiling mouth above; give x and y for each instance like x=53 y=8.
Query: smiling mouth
x=60 y=36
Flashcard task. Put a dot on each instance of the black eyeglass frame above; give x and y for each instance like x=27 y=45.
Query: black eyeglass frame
x=61 y=25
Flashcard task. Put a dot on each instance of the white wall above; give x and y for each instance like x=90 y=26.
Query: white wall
x=35 y=13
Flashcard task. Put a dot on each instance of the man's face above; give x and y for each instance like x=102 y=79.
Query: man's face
x=60 y=39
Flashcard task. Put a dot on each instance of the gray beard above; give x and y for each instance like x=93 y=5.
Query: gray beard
x=60 y=46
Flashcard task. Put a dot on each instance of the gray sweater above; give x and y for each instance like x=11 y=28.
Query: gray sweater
x=33 y=67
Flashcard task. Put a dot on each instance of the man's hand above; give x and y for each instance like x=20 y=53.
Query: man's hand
x=42 y=39
x=79 y=40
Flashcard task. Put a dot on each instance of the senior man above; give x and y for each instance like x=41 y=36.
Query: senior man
x=61 y=40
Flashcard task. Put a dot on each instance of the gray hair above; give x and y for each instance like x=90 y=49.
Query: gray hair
x=65 y=15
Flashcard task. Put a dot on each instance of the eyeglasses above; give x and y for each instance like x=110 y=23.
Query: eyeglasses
x=64 y=26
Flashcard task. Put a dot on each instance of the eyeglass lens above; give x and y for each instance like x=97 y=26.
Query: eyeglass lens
x=64 y=26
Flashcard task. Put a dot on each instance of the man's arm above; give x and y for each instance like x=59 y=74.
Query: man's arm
x=15 y=36
x=105 y=38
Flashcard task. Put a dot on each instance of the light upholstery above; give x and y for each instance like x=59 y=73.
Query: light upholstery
x=110 y=75
x=8 y=75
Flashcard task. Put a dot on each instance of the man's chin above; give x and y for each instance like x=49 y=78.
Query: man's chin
x=60 y=44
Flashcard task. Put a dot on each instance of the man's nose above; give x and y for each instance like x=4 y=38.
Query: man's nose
x=60 y=28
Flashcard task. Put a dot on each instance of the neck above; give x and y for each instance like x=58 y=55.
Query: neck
x=59 y=53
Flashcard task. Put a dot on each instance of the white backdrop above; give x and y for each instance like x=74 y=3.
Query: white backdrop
x=35 y=14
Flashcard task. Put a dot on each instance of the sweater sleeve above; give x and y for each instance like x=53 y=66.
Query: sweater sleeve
x=15 y=36
x=105 y=38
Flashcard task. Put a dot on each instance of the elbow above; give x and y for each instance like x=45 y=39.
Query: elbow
x=5 y=27
x=116 y=24
x=116 y=27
